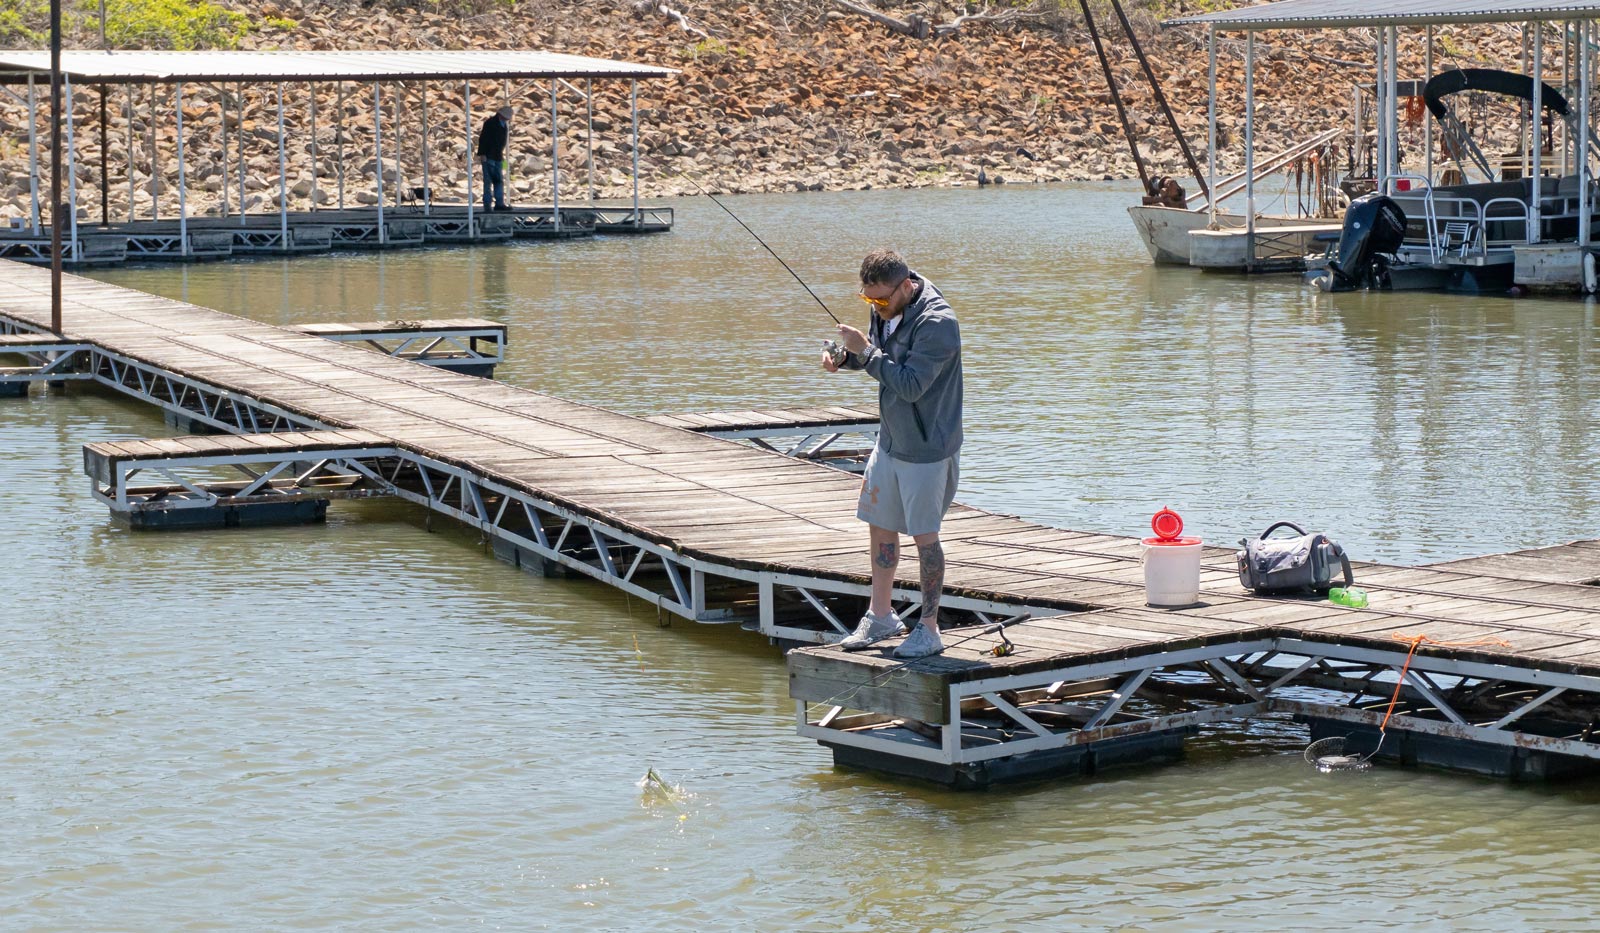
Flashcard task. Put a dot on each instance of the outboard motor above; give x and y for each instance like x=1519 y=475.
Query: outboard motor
x=1374 y=227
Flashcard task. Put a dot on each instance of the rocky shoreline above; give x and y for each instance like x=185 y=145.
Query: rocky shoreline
x=778 y=97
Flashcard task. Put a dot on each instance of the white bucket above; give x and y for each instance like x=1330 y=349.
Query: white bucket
x=1171 y=572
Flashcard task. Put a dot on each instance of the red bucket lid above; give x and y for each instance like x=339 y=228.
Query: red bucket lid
x=1167 y=524
x=1169 y=542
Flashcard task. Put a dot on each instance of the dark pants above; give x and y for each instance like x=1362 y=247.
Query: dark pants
x=494 y=185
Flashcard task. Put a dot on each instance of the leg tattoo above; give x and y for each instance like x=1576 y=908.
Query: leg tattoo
x=932 y=556
x=888 y=555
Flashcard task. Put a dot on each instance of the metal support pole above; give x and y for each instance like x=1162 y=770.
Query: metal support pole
x=222 y=90
x=1211 y=123
x=1391 y=113
x=638 y=219
x=338 y=139
x=377 y=141
x=132 y=190
x=427 y=184
x=399 y=141
x=283 y=179
x=1585 y=197
x=238 y=99
x=466 y=108
x=72 y=169
x=555 y=158
x=1536 y=189
x=155 y=167
x=1380 y=162
x=1567 y=30
x=105 y=180
x=588 y=101
x=1522 y=106
x=1250 y=145
x=311 y=88
x=1427 y=72
x=183 y=176
x=33 y=152
x=55 y=165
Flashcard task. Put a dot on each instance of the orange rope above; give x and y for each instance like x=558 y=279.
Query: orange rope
x=1417 y=640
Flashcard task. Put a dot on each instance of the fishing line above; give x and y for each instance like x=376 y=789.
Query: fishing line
x=769 y=249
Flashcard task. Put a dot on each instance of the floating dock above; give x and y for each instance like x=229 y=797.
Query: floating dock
x=299 y=233
x=1499 y=671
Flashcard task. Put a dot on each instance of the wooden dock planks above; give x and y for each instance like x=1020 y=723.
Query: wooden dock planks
x=664 y=480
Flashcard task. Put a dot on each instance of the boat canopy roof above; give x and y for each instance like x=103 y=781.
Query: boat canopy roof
x=1344 y=14
x=1508 y=83
x=141 y=67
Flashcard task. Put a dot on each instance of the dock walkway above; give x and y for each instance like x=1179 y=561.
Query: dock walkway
x=711 y=529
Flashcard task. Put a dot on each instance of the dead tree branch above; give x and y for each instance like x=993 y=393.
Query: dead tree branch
x=681 y=20
x=918 y=26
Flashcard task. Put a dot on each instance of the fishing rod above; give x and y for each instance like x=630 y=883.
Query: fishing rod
x=835 y=351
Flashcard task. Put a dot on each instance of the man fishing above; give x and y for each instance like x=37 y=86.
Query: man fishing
x=913 y=350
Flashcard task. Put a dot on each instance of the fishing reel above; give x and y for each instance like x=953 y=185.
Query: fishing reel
x=1005 y=649
x=836 y=351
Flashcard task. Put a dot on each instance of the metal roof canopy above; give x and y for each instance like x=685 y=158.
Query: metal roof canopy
x=1344 y=14
x=140 y=67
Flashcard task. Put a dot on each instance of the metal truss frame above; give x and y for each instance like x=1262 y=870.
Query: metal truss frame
x=1008 y=716
x=457 y=229
x=688 y=587
x=544 y=222
x=25 y=250
x=813 y=444
x=273 y=476
x=624 y=219
x=45 y=360
x=444 y=347
x=157 y=246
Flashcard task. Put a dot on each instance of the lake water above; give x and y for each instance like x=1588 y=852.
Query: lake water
x=362 y=725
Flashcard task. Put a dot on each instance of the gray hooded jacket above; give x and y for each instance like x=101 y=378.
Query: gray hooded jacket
x=919 y=371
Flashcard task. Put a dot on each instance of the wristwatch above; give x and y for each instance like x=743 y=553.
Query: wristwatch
x=866 y=355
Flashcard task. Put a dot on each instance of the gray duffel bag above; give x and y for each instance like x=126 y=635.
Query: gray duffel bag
x=1303 y=564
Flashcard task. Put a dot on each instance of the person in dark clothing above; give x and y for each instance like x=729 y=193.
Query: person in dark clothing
x=492 y=155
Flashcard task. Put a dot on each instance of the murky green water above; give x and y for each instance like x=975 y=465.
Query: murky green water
x=363 y=725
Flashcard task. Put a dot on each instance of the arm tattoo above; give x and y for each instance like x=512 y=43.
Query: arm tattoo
x=888 y=555
x=932 y=556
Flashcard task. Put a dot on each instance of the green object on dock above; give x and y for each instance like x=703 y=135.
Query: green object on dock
x=1351 y=596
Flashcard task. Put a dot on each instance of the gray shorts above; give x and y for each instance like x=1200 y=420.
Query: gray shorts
x=910 y=498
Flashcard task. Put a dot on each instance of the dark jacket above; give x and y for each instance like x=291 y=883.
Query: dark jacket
x=918 y=368
x=492 y=139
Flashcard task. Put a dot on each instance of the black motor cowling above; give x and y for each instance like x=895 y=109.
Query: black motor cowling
x=1374 y=227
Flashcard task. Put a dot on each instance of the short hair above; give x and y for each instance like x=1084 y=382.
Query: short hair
x=883 y=267
x=505 y=112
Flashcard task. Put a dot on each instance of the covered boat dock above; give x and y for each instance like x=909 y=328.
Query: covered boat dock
x=1462 y=232
x=388 y=203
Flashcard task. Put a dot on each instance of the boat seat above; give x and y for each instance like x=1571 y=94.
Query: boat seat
x=1461 y=233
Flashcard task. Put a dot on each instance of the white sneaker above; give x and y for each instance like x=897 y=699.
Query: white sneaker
x=924 y=642
x=872 y=629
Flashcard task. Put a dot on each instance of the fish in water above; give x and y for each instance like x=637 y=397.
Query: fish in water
x=656 y=789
